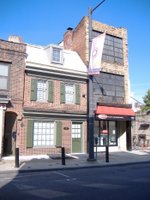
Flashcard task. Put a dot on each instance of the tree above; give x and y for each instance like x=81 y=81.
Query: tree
x=146 y=100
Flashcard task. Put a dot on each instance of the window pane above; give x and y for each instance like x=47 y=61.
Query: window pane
x=3 y=69
x=56 y=54
x=69 y=93
x=76 y=130
x=113 y=48
x=106 y=133
x=109 y=88
x=3 y=83
x=41 y=90
x=112 y=133
x=43 y=134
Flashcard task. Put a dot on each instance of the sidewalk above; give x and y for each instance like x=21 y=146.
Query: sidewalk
x=46 y=163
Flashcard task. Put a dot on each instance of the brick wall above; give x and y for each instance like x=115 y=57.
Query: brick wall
x=66 y=139
x=141 y=126
x=56 y=105
x=78 y=40
x=15 y=54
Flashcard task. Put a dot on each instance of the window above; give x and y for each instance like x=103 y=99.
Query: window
x=106 y=133
x=4 y=76
x=76 y=130
x=112 y=133
x=42 y=90
x=113 y=48
x=69 y=93
x=43 y=134
x=56 y=55
x=109 y=88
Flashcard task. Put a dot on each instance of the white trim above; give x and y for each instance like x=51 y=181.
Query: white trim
x=33 y=67
x=55 y=114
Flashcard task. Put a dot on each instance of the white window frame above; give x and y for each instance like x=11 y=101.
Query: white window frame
x=43 y=90
x=56 y=55
x=70 y=97
x=4 y=75
x=44 y=134
x=76 y=130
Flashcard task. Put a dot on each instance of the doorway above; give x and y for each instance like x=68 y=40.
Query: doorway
x=76 y=137
x=9 y=134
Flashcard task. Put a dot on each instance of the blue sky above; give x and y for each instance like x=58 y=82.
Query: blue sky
x=43 y=22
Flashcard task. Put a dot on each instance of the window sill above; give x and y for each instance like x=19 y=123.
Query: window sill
x=42 y=101
x=56 y=62
x=44 y=147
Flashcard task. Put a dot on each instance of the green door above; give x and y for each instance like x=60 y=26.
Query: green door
x=76 y=137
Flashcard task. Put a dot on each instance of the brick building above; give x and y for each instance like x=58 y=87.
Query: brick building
x=43 y=99
x=113 y=114
x=55 y=101
x=141 y=131
x=12 y=66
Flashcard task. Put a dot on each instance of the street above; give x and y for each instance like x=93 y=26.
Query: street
x=109 y=183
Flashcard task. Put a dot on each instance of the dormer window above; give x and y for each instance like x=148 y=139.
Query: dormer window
x=56 y=55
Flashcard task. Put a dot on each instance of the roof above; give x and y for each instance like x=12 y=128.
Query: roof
x=40 y=56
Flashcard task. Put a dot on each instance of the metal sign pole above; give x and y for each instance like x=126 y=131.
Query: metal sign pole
x=90 y=93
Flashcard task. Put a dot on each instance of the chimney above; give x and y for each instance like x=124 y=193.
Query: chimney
x=68 y=38
x=14 y=38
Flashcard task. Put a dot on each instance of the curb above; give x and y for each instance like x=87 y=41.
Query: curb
x=16 y=170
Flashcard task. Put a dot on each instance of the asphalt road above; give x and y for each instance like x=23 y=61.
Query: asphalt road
x=109 y=183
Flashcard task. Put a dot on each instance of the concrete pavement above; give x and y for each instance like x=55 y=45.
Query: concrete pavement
x=49 y=162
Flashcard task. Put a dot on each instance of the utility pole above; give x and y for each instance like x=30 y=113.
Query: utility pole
x=91 y=114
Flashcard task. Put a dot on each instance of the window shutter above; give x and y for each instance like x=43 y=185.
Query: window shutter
x=29 y=134
x=50 y=91
x=62 y=92
x=33 y=90
x=77 y=94
x=58 y=133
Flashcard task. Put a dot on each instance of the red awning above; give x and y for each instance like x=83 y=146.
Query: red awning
x=117 y=111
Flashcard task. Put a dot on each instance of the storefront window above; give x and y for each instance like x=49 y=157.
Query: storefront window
x=106 y=133
x=112 y=133
x=103 y=133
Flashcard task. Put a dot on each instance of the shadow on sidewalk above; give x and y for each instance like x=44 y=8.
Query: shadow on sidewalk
x=34 y=186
